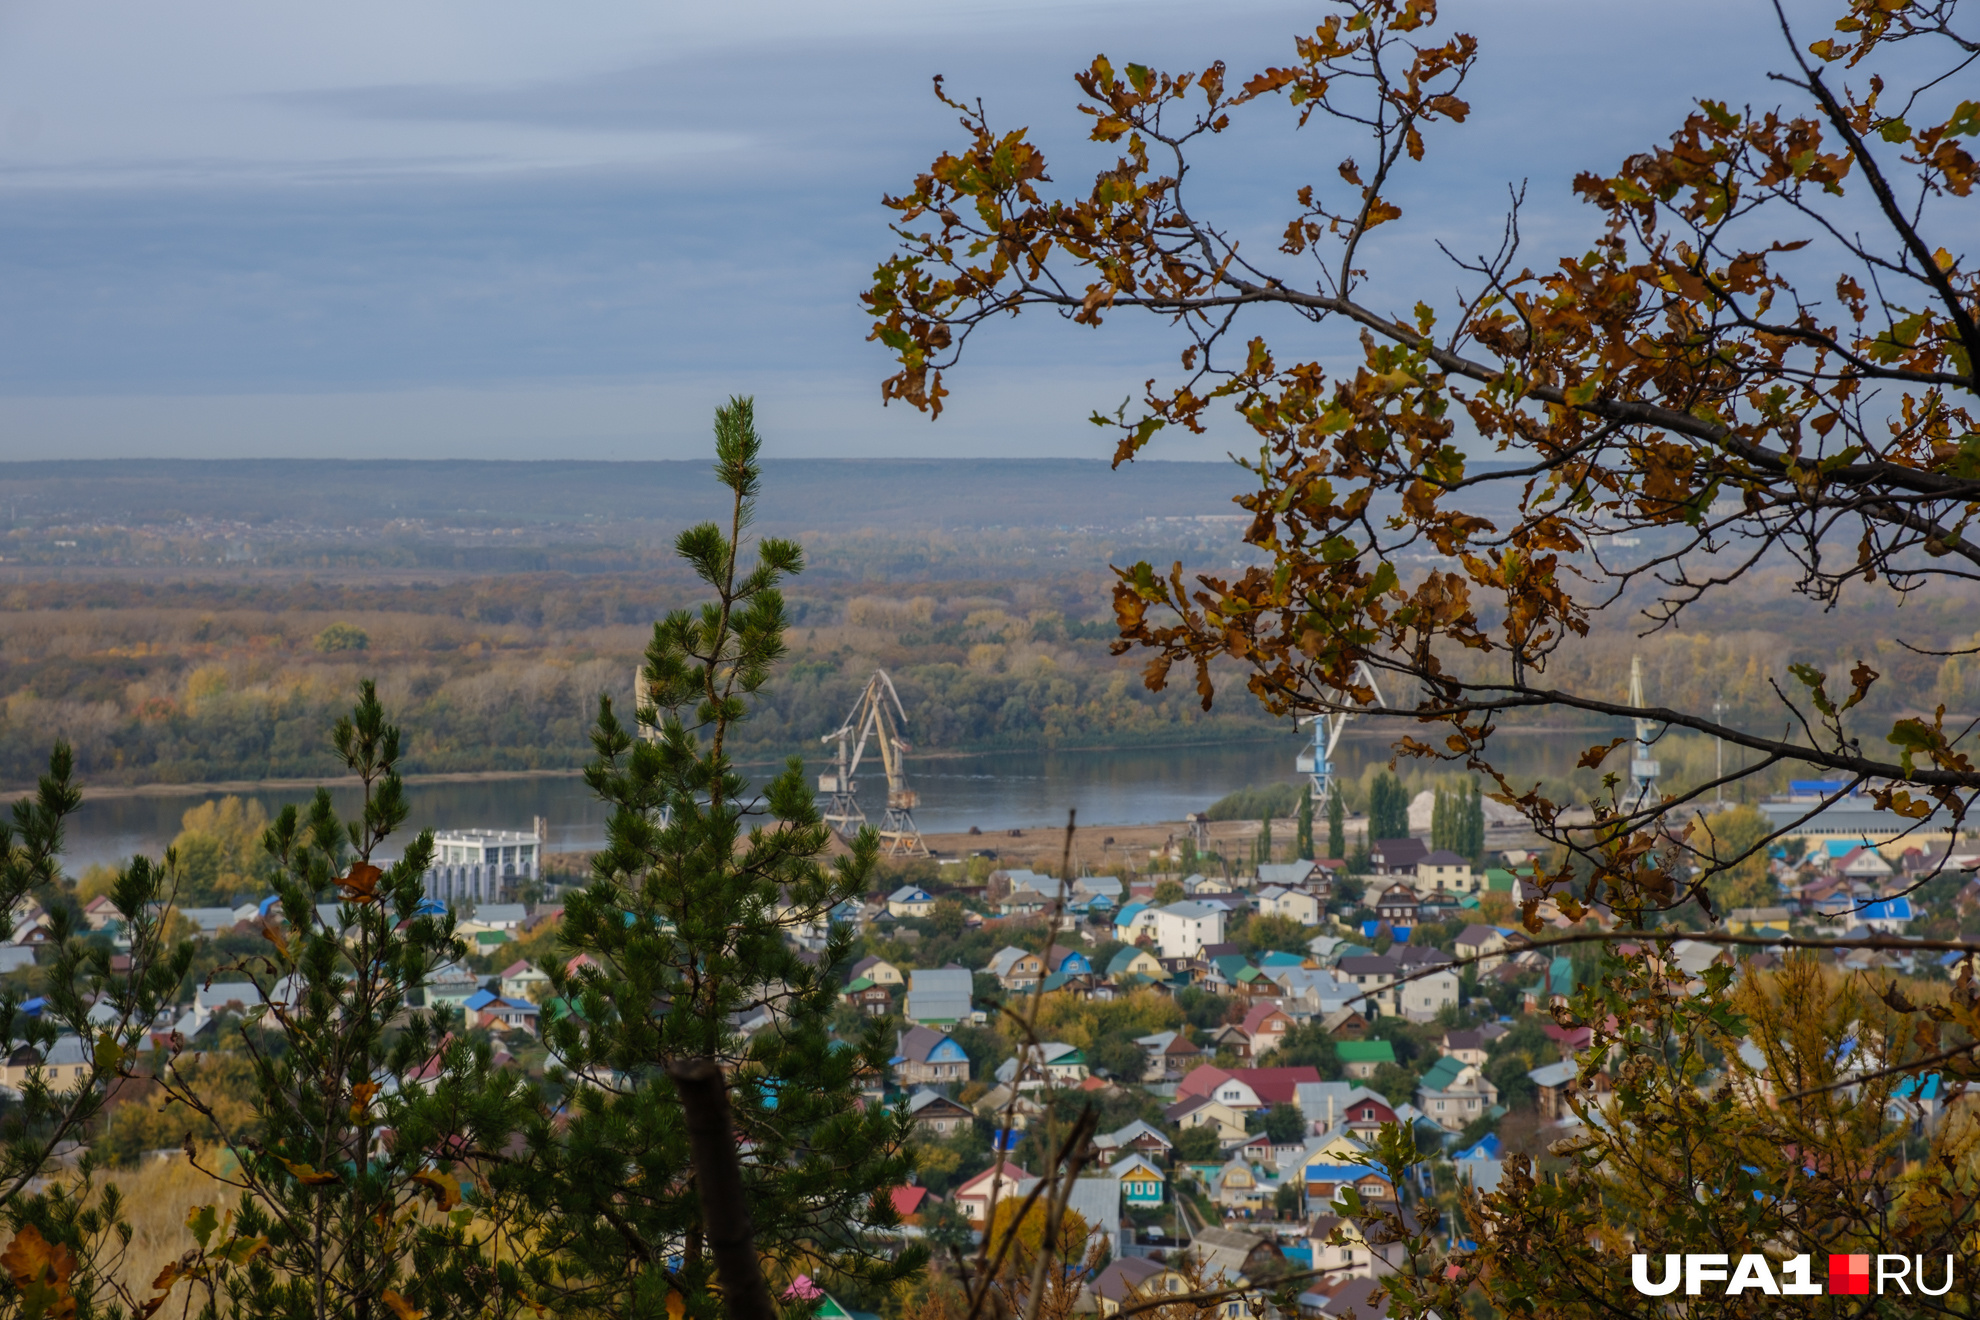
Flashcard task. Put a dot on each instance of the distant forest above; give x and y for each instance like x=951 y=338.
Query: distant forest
x=183 y=684
x=180 y=664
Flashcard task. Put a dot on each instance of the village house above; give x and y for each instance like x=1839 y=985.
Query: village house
x=1203 y=1111
x=1345 y=1024
x=933 y=1112
x=1293 y=875
x=999 y=1183
x=1447 y=871
x=926 y=1056
x=1016 y=969
x=524 y=980
x=1137 y=1138
x=1128 y=1280
x=494 y=1012
x=1170 y=1055
x=1049 y=1063
x=1264 y=1029
x=1324 y=1178
x=1182 y=929
x=1371 y=975
x=1355 y=1109
x=1298 y=904
x=1482 y=943
x=62 y=1067
x=1239 y=1188
x=1246 y=1089
x=1470 y=1045
x=1360 y=1058
x=1231 y=1258
x=870 y=999
x=1397 y=906
x=1396 y=857
x=877 y=970
x=1555 y=1085
x=1142 y=1182
x=910 y=901
x=1132 y=965
x=1433 y=989
x=1350 y=1263
x=1454 y=1093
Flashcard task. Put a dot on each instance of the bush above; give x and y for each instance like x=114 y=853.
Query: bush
x=343 y=637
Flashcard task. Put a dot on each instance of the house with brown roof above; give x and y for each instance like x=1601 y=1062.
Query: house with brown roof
x=1131 y=1279
x=1264 y=1029
x=1396 y=857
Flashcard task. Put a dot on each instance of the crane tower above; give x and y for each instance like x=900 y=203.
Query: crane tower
x=1642 y=767
x=1317 y=761
x=876 y=715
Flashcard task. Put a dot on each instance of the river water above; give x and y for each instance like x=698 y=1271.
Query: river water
x=992 y=790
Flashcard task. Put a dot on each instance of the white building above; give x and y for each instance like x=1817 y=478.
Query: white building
x=1182 y=929
x=482 y=866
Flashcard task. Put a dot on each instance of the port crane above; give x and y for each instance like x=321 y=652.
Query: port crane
x=1317 y=761
x=878 y=715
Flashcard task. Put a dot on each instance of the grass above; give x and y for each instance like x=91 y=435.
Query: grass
x=158 y=1195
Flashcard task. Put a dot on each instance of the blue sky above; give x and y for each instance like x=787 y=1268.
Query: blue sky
x=476 y=228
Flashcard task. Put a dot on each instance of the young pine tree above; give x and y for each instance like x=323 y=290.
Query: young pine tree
x=366 y=1193
x=682 y=937
x=66 y=1239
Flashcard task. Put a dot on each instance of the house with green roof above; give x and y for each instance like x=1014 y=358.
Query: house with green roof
x=1131 y=962
x=1360 y=1058
x=1557 y=986
x=1454 y=1093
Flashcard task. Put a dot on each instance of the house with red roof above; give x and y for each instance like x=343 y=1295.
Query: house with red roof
x=909 y=1202
x=1246 y=1088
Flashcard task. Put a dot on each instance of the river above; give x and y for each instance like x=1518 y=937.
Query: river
x=993 y=790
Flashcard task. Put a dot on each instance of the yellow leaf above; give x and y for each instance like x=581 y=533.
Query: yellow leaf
x=361 y=1097
x=109 y=1054
x=361 y=885
x=402 y=1308
x=308 y=1175
x=445 y=1191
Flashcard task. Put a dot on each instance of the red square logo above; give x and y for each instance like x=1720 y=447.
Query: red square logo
x=1849 y=1276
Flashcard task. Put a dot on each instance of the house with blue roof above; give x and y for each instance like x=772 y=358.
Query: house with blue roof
x=1889 y=916
x=910 y=901
x=1917 y=1102
x=925 y=1056
x=1070 y=962
x=1133 y=921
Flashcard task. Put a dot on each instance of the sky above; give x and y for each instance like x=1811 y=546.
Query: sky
x=488 y=229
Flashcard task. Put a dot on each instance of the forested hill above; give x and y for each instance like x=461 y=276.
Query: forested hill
x=797 y=493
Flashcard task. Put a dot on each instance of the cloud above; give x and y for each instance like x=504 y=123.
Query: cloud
x=507 y=225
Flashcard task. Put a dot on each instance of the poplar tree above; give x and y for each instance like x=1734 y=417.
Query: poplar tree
x=682 y=954
x=1303 y=835
x=1336 y=824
